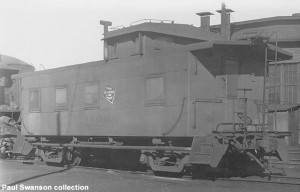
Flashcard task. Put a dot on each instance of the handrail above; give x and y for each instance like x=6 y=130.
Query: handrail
x=151 y=20
x=117 y=27
x=177 y=120
x=239 y=124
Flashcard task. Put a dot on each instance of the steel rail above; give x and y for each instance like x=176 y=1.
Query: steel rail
x=274 y=180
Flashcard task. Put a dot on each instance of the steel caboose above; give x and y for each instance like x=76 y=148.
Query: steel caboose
x=171 y=96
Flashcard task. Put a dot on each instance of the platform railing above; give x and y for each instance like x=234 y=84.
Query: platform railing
x=151 y=21
x=242 y=114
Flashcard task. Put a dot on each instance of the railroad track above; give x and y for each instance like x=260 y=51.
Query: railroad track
x=273 y=179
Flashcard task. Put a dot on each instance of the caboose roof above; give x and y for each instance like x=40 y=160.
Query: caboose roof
x=181 y=30
x=282 y=55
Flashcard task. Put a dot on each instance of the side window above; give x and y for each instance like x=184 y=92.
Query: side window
x=137 y=45
x=34 y=100
x=91 y=95
x=155 y=90
x=113 y=50
x=61 y=98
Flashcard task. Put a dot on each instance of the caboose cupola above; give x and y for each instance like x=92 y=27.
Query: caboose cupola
x=148 y=35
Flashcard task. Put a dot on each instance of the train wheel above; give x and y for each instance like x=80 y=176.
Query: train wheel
x=162 y=166
x=50 y=157
x=73 y=157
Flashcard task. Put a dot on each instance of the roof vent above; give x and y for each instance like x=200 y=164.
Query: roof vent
x=225 y=22
x=205 y=20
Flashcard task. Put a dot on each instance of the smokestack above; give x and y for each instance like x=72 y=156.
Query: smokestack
x=225 y=22
x=105 y=45
x=105 y=25
x=205 y=20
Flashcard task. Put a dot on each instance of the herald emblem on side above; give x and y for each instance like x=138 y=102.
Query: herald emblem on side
x=109 y=94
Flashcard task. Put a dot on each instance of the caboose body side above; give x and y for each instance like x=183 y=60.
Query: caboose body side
x=152 y=94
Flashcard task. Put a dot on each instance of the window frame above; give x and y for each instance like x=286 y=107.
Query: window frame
x=92 y=106
x=286 y=79
x=113 y=50
x=290 y=93
x=274 y=94
x=64 y=106
x=160 y=101
x=137 y=44
x=37 y=109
